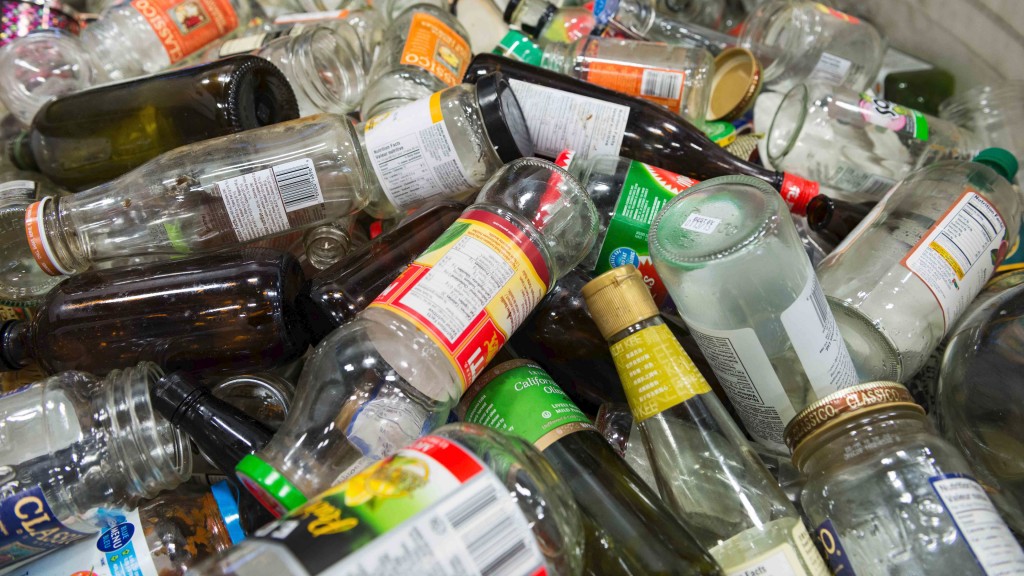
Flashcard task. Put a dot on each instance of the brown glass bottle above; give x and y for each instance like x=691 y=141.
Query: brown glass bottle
x=834 y=219
x=216 y=314
x=90 y=137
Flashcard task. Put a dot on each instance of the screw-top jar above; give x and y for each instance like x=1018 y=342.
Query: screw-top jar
x=888 y=495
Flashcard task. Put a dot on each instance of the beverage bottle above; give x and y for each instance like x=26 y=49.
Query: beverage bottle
x=706 y=470
x=78 y=449
x=464 y=496
x=733 y=263
x=627 y=528
x=395 y=371
x=856 y=144
x=129 y=40
x=833 y=219
x=228 y=312
x=902 y=278
x=923 y=90
x=87 y=138
x=563 y=112
x=22 y=282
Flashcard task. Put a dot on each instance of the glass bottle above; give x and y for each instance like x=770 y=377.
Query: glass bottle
x=339 y=293
x=888 y=495
x=77 y=449
x=207 y=196
x=84 y=139
x=424 y=50
x=626 y=527
x=993 y=112
x=734 y=265
x=902 y=278
x=563 y=112
x=655 y=21
x=130 y=39
x=367 y=23
x=395 y=371
x=924 y=90
x=702 y=12
x=856 y=144
x=323 y=246
x=465 y=471
x=707 y=472
x=229 y=312
x=22 y=282
x=615 y=422
x=834 y=219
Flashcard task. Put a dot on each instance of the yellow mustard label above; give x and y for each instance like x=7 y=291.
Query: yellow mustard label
x=656 y=372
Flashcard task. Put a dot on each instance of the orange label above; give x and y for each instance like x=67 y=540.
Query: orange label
x=436 y=48
x=659 y=85
x=184 y=26
x=37 y=241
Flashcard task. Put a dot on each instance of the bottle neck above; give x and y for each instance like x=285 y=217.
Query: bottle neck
x=559 y=57
x=834 y=219
x=19 y=152
x=633 y=329
x=15 y=345
x=54 y=242
x=326 y=244
x=858 y=438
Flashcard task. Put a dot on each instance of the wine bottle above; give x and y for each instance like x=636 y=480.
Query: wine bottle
x=834 y=219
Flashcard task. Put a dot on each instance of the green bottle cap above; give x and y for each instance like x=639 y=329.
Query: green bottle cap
x=519 y=46
x=720 y=132
x=269 y=486
x=1004 y=163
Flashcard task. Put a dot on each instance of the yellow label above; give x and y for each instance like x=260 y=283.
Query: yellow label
x=656 y=372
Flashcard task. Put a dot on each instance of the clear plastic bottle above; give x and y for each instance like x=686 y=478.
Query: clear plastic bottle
x=76 y=450
x=901 y=279
x=130 y=39
x=395 y=371
x=856 y=144
x=464 y=496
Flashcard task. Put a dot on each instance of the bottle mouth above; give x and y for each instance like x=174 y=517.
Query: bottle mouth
x=788 y=123
x=331 y=61
x=325 y=245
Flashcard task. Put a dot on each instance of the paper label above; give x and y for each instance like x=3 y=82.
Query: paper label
x=432 y=508
x=796 y=556
x=436 y=48
x=838 y=559
x=813 y=330
x=899 y=119
x=701 y=224
x=245 y=44
x=830 y=69
x=258 y=203
x=659 y=85
x=413 y=155
x=558 y=120
x=310 y=17
x=959 y=253
x=29 y=527
x=471 y=289
x=184 y=26
x=977 y=520
x=742 y=367
x=526 y=402
x=655 y=371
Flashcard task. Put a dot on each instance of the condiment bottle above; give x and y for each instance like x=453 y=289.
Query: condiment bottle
x=888 y=495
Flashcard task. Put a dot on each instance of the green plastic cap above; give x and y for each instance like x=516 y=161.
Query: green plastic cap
x=269 y=486
x=519 y=46
x=1004 y=163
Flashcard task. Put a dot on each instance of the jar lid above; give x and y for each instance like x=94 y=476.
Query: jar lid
x=618 y=299
x=735 y=84
x=503 y=118
x=839 y=406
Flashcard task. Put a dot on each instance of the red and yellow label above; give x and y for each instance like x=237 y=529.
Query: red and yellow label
x=435 y=47
x=659 y=85
x=471 y=289
x=184 y=26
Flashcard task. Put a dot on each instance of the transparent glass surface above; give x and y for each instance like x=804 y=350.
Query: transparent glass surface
x=22 y=282
x=995 y=113
x=615 y=423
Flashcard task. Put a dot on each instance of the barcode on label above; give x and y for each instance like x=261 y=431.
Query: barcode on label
x=702 y=224
x=820 y=305
x=830 y=69
x=297 y=183
x=489 y=525
x=662 y=84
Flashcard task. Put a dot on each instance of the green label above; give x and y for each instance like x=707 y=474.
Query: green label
x=645 y=192
x=518 y=46
x=525 y=401
x=721 y=133
x=894 y=117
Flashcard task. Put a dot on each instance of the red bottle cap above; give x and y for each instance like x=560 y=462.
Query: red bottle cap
x=797 y=192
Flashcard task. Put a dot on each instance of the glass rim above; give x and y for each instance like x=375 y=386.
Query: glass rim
x=775 y=156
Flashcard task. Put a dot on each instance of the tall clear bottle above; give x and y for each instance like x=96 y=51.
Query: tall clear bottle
x=902 y=278
x=732 y=261
x=396 y=370
x=706 y=470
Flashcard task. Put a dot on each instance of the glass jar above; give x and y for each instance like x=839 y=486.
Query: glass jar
x=994 y=113
x=799 y=40
x=731 y=258
x=889 y=496
x=856 y=144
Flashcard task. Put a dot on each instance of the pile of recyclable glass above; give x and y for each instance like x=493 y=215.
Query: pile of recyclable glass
x=503 y=288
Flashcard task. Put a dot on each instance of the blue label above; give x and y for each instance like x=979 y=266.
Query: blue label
x=622 y=256
x=604 y=10
x=838 y=560
x=228 y=505
x=30 y=527
x=116 y=538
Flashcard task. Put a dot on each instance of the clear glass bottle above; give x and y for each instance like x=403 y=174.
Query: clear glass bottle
x=22 y=281
x=615 y=422
x=325 y=245
x=992 y=112
x=647 y=20
x=546 y=22
x=77 y=449
x=395 y=371
x=501 y=508
x=733 y=262
x=856 y=144
x=901 y=279
x=701 y=12
x=706 y=470
x=424 y=50
x=130 y=39
x=889 y=496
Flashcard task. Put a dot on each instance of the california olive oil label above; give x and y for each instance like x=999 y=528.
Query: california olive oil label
x=432 y=508
x=656 y=372
x=28 y=527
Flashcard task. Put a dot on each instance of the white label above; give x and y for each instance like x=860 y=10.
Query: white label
x=991 y=542
x=957 y=255
x=475 y=531
x=702 y=224
x=742 y=366
x=796 y=556
x=558 y=120
x=413 y=154
x=781 y=561
x=854 y=179
x=311 y=17
x=813 y=330
x=258 y=203
x=243 y=45
x=129 y=558
x=830 y=69
x=662 y=84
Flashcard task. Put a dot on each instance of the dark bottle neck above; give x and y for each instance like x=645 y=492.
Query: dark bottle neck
x=256 y=93
x=833 y=219
x=15 y=345
x=19 y=152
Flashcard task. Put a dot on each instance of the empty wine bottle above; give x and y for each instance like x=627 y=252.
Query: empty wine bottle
x=834 y=219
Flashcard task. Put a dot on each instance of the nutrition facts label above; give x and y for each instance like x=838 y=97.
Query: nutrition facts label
x=977 y=519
